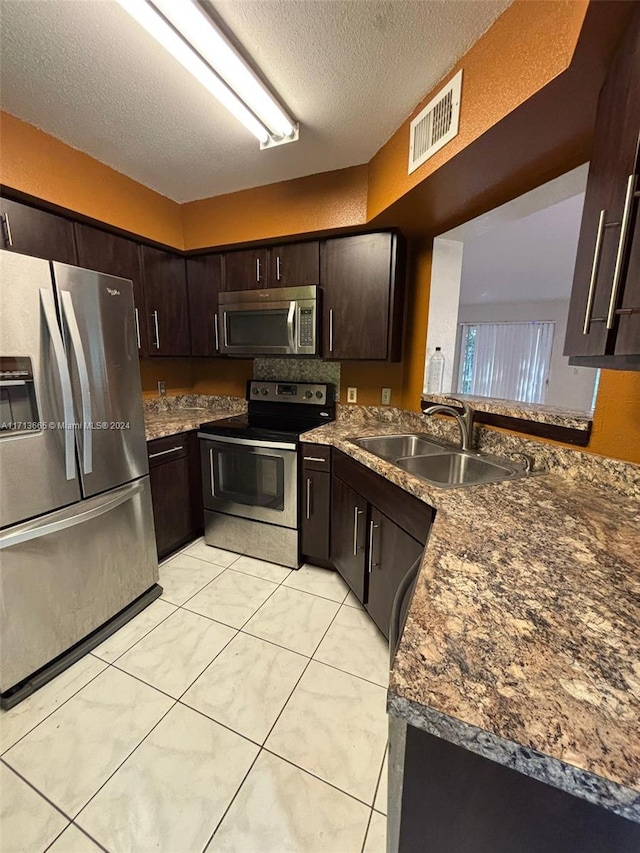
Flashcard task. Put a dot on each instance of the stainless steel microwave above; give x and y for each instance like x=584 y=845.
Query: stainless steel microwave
x=279 y=321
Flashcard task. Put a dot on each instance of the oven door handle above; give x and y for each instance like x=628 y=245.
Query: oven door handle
x=291 y=326
x=257 y=443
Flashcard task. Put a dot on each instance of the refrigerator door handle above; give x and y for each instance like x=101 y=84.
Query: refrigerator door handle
x=49 y=311
x=35 y=529
x=83 y=374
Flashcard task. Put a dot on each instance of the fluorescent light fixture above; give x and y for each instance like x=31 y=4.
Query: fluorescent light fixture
x=199 y=44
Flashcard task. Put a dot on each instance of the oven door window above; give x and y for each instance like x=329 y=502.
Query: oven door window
x=254 y=329
x=251 y=479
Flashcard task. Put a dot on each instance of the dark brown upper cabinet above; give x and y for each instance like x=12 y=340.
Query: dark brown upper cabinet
x=246 y=270
x=165 y=291
x=294 y=265
x=33 y=232
x=363 y=291
x=603 y=329
x=204 y=283
x=104 y=252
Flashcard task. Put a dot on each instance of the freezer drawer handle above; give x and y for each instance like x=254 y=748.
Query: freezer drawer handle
x=49 y=310
x=83 y=375
x=35 y=531
x=164 y=452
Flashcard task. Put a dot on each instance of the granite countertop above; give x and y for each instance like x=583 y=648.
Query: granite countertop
x=171 y=415
x=522 y=639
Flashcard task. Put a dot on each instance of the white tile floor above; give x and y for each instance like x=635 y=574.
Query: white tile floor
x=243 y=711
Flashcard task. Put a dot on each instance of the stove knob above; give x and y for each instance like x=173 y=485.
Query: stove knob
x=308 y=394
x=256 y=390
x=264 y=392
x=319 y=395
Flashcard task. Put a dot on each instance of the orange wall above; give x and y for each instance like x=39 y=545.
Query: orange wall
x=304 y=205
x=531 y=43
x=34 y=162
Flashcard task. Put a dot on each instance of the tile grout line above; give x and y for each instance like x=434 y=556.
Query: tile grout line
x=366 y=832
x=37 y=790
x=262 y=747
x=22 y=737
x=126 y=758
x=83 y=831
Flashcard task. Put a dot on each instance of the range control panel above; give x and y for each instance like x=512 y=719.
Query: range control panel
x=319 y=394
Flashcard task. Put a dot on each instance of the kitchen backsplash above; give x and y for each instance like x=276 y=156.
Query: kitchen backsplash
x=298 y=370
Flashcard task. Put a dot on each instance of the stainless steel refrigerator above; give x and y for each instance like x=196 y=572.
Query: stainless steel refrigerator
x=77 y=545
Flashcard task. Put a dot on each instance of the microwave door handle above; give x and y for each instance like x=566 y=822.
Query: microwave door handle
x=291 y=328
x=49 y=311
x=83 y=375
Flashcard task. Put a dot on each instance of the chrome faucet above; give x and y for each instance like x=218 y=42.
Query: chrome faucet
x=464 y=420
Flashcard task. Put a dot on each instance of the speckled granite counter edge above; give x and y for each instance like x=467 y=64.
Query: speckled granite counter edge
x=614 y=796
x=595 y=789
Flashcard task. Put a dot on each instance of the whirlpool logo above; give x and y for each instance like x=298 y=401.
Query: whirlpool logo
x=113 y=292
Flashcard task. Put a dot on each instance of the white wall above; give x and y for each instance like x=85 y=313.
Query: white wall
x=446 y=276
x=569 y=387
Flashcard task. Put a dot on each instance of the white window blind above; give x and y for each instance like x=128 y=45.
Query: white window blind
x=509 y=361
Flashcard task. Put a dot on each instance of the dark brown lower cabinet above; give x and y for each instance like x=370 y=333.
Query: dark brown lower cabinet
x=176 y=490
x=348 y=537
x=454 y=801
x=316 y=512
x=377 y=533
x=391 y=553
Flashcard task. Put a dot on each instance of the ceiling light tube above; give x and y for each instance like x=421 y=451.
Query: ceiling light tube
x=201 y=32
x=165 y=35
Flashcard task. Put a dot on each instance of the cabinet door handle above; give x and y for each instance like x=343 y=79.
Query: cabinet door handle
x=313 y=459
x=7 y=229
x=155 y=323
x=594 y=274
x=330 y=329
x=372 y=528
x=308 y=498
x=164 y=452
x=257 y=269
x=277 y=267
x=215 y=332
x=356 y=512
x=622 y=243
x=137 y=318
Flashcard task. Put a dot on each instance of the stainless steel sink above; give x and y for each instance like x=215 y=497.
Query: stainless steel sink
x=392 y=447
x=458 y=469
x=439 y=463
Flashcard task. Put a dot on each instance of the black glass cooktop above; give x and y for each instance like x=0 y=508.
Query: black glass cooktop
x=263 y=428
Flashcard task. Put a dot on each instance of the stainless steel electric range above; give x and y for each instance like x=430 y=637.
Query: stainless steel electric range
x=250 y=469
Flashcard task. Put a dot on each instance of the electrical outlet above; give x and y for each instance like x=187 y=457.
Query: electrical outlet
x=385 y=397
x=352 y=395
x=162 y=388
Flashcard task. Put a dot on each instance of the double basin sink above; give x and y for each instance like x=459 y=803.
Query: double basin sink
x=439 y=463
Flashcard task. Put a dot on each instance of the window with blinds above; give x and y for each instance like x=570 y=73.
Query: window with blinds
x=508 y=361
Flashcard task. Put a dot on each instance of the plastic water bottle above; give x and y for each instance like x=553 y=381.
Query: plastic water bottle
x=435 y=372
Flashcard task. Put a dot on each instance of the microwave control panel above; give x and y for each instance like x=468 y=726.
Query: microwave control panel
x=306 y=327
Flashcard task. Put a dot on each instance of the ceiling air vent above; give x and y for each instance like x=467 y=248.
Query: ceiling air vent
x=436 y=124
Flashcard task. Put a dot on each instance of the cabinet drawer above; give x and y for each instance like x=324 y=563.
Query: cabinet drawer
x=316 y=457
x=167 y=449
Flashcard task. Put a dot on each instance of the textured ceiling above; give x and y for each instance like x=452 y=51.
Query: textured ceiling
x=350 y=72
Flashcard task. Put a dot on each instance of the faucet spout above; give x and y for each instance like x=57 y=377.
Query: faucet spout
x=464 y=420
